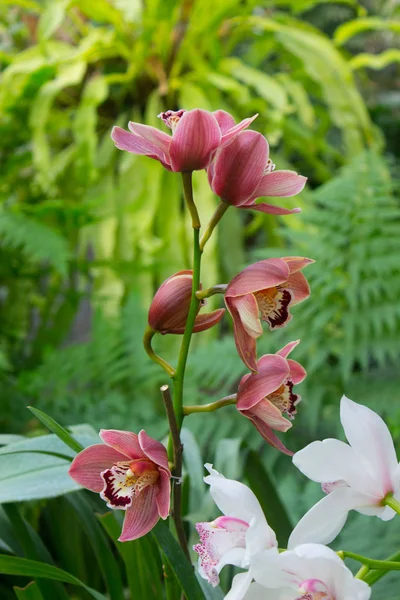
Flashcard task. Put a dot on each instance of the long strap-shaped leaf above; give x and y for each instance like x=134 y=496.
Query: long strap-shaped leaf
x=56 y=428
x=182 y=569
x=30 y=592
x=11 y=565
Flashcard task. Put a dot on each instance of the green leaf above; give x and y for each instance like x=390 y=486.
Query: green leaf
x=10 y=565
x=140 y=558
x=351 y=28
x=106 y=560
x=180 y=566
x=57 y=429
x=375 y=61
x=51 y=18
x=266 y=492
x=30 y=592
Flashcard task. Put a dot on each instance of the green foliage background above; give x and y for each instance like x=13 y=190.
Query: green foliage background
x=87 y=233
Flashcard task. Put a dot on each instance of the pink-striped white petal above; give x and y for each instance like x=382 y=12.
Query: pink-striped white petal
x=196 y=137
x=153 y=449
x=258 y=276
x=86 y=467
x=273 y=371
x=155 y=136
x=280 y=183
x=141 y=516
x=125 y=442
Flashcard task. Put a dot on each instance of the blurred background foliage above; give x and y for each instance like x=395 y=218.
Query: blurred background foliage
x=87 y=232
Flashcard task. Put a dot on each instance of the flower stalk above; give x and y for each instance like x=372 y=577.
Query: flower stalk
x=215 y=219
x=211 y=291
x=211 y=407
x=188 y=193
x=391 y=501
x=147 y=338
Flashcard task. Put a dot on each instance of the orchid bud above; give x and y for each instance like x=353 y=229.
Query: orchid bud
x=170 y=307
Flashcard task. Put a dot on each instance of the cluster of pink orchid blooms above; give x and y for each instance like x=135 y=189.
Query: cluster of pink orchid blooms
x=133 y=472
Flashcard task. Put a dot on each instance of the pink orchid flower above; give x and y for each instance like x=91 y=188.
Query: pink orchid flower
x=170 y=306
x=264 y=397
x=243 y=172
x=130 y=472
x=267 y=288
x=196 y=134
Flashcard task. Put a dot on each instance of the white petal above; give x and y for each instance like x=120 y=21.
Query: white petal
x=332 y=460
x=237 y=500
x=259 y=537
x=240 y=585
x=322 y=523
x=368 y=434
x=259 y=592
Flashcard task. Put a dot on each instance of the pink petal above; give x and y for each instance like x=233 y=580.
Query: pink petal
x=86 y=467
x=153 y=449
x=299 y=287
x=273 y=371
x=270 y=209
x=208 y=320
x=194 y=140
x=141 y=516
x=163 y=494
x=297 y=263
x=230 y=134
x=286 y=350
x=245 y=343
x=269 y=436
x=297 y=372
x=280 y=183
x=153 y=135
x=247 y=309
x=270 y=415
x=239 y=167
x=224 y=120
x=170 y=305
x=258 y=276
x=123 y=441
x=136 y=144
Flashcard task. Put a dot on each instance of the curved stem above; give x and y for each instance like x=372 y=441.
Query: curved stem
x=148 y=336
x=392 y=502
x=376 y=574
x=211 y=291
x=362 y=572
x=382 y=565
x=202 y=408
x=215 y=219
x=188 y=193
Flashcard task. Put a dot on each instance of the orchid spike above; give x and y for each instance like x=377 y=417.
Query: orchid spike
x=267 y=289
x=265 y=396
x=356 y=476
x=130 y=472
x=170 y=307
x=242 y=172
x=196 y=135
x=237 y=538
x=308 y=572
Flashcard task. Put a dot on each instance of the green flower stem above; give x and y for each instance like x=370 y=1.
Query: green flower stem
x=211 y=291
x=215 y=219
x=148 y=336
x=392 y=502
x=376 y=574
x=188 y=193
x=202 y=408
x=363 y=572
x=382 y=565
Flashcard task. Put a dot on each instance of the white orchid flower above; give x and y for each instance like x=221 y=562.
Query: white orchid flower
x=360 y=475
x=239 y=538
x=312 y=572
